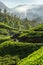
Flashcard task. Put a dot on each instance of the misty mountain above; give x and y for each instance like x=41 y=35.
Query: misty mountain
x=29 y=11
x=3 y=6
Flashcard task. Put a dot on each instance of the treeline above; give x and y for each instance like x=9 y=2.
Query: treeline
x=15 y=22
x=3 y=10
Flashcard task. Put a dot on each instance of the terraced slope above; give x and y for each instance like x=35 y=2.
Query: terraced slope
x=34 y=35
x=12 y=52
x=36 y=58
x=6 y=32
x=39 y=27
x=13 y=49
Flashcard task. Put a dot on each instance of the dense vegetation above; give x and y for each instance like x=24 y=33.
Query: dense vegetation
x=20 y=41
x=35 y=58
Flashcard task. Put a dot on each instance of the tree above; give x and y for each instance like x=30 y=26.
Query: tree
x=5 y=11
x=0 y=10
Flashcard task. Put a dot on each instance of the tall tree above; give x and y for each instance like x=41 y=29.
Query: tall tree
x=0 y=10
x=5 y=11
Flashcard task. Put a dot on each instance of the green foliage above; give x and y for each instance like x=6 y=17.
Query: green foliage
x=4 y=38
x=33 y=35
x=15 y=35
x=15 y=22
x=39 y=27
x=9 y=60
x=17 y=48
x=36 y=58
x=11 y=52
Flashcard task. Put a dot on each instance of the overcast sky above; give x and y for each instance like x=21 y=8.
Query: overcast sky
x=13 y=3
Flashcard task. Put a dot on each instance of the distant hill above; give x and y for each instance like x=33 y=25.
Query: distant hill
x=29 y=11
x=3 y=6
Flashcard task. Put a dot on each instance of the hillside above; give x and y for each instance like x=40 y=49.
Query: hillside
x=19 y=40
x=3 y=6
x=12 y=52
x=34 y=35
x=36 y=58
x=15 y=22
